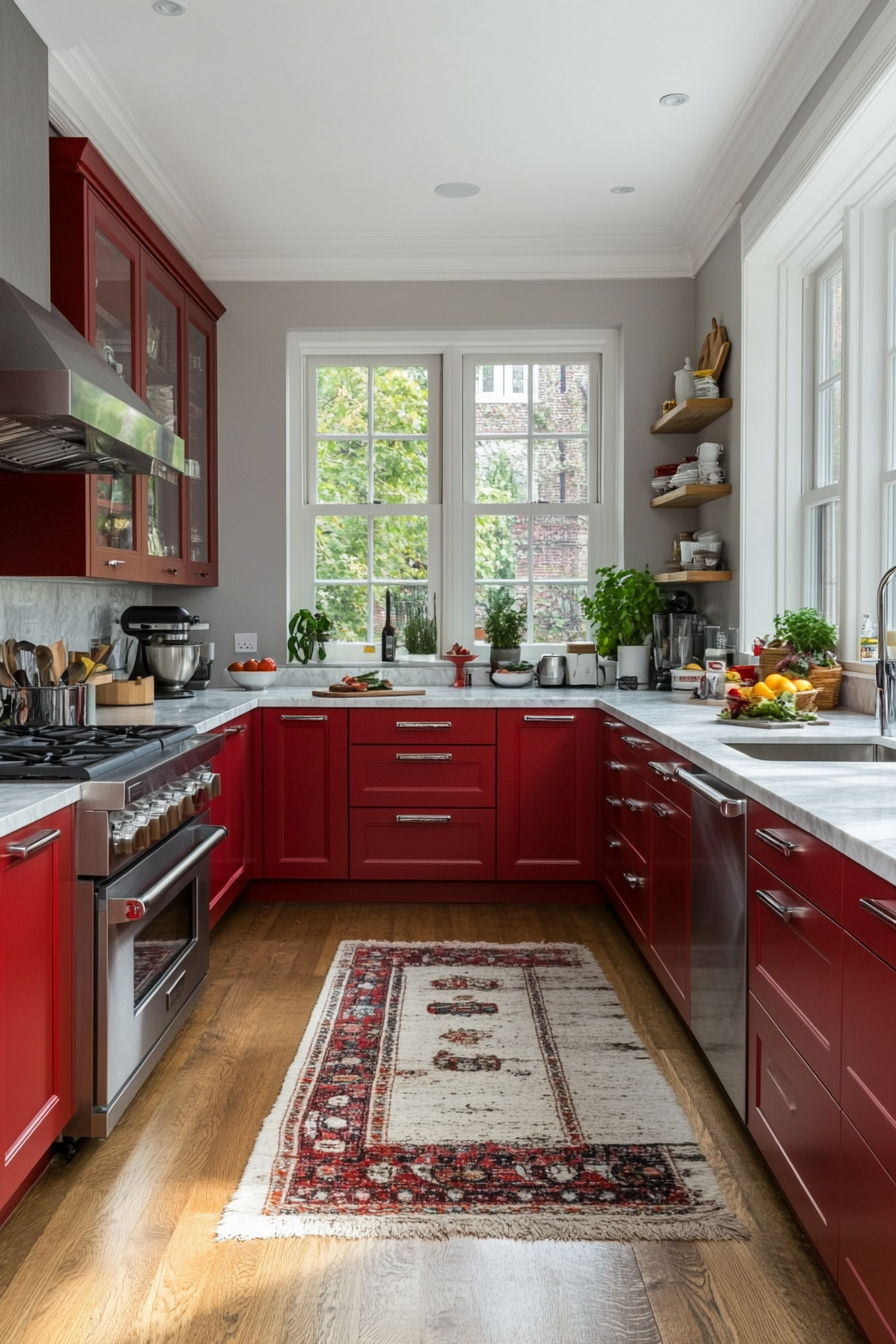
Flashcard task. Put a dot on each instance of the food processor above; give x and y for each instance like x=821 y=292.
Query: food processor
x=165 y=649
x=673 y=641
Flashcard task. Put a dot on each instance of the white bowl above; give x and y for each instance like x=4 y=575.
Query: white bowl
x=502 y=678
x=254 y=681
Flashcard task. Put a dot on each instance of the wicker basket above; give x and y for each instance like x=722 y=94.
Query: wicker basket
x=806 y=701
x=769 y=659
x=826 y=681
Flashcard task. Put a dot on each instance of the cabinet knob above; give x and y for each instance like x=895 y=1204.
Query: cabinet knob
x=203 y=573
x=171 y=570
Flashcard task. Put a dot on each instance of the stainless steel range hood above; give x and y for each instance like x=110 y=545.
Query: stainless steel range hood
x=63 y=408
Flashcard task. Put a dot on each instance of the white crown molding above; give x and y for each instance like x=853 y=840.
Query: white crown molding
x=812 y=39
x=541 y=257
x=866 y=73
x=82 y=102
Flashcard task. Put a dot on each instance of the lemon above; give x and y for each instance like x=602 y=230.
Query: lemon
x=762 y=692
x=774 y=681
x=786 y=685
x=692 y=667
x=802 y=685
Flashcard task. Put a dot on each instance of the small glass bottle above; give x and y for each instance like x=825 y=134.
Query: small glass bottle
x=868 y=640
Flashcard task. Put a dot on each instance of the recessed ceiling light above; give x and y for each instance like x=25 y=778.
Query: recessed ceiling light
x=675 y=99
x=622 y=191
x=170 y=8
x=456 y=189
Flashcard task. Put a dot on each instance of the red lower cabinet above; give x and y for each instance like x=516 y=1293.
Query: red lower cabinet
x=796 y=1123
x=306 y=794
x=868 y=1077
x=867 y=1275
x=387 y=776
x=547 y=795
x=36 y=996
x=236 y=861
x=626 y=881
x=423 y=844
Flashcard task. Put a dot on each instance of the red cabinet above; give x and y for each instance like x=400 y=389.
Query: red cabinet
x=434 y=727
x=387 y=776
x=122 y=284
x=805 y=863
x=238 y=807
x=869 y=910
x=796 y=1124
x=796 y=970
x=547 y=795
x=36 y=996
x=423 y=844
x=867 y=1238
x=626 y=880
x=306 y=793
x=868 y=1077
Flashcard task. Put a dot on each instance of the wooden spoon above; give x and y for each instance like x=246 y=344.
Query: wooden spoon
x=77 y=671
x=43 y=656
x=60 y=660
x=11 y=656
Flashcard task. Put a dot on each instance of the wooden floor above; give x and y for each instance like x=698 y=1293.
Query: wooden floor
x=118 y=1248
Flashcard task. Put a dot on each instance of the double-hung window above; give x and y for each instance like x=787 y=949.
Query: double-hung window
x=821 y=495
x=373 y=487
x=532 y=486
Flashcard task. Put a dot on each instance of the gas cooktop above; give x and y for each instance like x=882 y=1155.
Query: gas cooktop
x=80 y=753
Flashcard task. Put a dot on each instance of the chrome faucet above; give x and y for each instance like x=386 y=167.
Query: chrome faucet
x=886 y=668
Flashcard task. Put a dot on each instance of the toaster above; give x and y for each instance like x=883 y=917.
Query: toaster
x=581 y=669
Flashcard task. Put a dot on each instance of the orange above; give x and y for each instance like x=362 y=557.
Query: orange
x=773 y=681
x=802 y=685
x=761 y=691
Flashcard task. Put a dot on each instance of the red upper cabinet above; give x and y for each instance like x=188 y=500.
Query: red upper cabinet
x=36 y=996
x=547 y=795
x=121 y=282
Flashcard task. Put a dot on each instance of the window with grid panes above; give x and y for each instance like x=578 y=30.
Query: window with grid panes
x=821 y=497
x=374 y=487
x=531 y=448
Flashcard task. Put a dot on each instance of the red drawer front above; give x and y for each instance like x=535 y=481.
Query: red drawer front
x=461 y=848
x=874 y=926
x=867 y=1238
x=422 y=725
x=868 y=1078
x=626 y=881
x=796 y=972
x=661 y=766
x=633 y=746
x=808 y=865
x=625 y=804
x=796 y=1124
x=392 y=777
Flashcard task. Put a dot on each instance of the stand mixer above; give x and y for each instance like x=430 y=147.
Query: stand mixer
x=165 y=650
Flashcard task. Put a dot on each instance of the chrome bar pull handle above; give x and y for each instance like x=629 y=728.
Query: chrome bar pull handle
x=662 y=811
x=613 y=843
x=634 y=881
x=423 y=756
x=612 y=802
x=879 y=910
x=785 y=912
x=729 y=807
x=785 y=847
x=235 y=730
x=418 y=726
x=549 y=718
x=665 y=769
x=615 y=765
x=634 y=804
x=612 y=726
x=404 y=820
x=637 y=743
x=303 y=718
x=25 y=849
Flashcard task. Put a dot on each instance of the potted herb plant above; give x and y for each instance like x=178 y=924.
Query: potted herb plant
x=805 y=645
x=621 y=610
x=307 y=628
x=504 y=625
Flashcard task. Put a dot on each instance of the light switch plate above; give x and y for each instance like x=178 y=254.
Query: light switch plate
x=245 y=643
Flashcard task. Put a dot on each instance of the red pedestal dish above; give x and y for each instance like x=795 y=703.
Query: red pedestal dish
x=458 y=659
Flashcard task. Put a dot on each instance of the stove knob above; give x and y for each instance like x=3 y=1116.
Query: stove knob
x=142 y=838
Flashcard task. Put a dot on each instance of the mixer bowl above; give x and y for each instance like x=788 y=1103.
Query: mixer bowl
x=172 y=664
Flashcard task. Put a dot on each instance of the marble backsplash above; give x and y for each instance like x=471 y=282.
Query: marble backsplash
x=42 y=610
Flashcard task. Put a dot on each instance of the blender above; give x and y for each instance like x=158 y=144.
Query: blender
x=673 y=639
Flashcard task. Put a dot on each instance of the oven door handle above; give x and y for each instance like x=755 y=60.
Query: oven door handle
x=124 y=909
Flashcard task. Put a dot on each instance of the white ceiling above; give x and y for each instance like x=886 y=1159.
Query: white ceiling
x=303 y=138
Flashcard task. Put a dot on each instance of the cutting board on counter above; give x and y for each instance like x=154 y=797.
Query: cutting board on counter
x=770 y=723
x=362 y=695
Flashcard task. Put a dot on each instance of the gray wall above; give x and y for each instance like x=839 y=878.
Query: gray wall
x=719 y=296
x=24 y=157
x=656 y=318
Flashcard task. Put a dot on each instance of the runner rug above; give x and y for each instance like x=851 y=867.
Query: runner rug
x=465 y=1089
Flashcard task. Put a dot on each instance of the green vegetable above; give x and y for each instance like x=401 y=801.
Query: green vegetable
x=783 y=710
x=622 y=607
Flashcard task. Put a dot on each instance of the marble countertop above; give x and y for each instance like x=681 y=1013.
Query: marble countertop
x=849 y=805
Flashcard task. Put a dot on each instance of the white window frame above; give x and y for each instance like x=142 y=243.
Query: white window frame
x=456 y=568
x=832 y=187
x=813 y=495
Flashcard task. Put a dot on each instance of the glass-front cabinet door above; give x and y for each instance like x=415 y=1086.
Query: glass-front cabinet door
x=115 y=550
x=162 y=362
x=200 y=486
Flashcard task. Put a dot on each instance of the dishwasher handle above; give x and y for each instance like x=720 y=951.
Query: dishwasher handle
x=729 y=807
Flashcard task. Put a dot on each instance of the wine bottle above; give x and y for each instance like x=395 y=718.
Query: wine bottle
x=388 y=643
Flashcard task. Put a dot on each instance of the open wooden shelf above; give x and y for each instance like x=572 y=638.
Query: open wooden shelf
x=690 y=416
x=690 y=496
x=696 y=576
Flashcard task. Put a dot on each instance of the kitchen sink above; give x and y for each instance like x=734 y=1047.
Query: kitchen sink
x=817 y=751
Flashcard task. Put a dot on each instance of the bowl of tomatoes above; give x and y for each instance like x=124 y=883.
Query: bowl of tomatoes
x=256 y=674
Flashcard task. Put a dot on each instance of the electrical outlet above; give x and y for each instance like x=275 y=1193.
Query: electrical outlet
x=245 y=643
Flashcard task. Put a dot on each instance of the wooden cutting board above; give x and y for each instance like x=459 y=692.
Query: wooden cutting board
x=361 y=695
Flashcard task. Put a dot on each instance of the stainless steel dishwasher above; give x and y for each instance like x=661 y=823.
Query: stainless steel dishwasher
x=719 y=929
